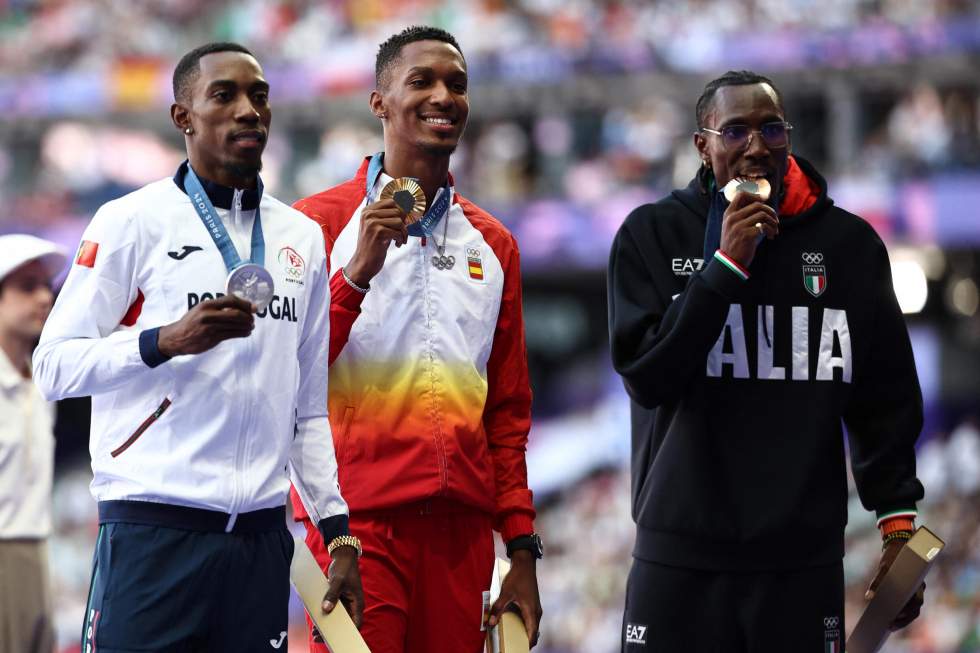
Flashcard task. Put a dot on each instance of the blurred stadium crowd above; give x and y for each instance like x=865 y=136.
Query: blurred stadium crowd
x=581 y=110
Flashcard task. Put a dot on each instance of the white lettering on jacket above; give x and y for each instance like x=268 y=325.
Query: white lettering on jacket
x=731 y=349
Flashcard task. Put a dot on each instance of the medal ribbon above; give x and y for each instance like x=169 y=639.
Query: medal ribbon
x=437 y=208
x=216 y=228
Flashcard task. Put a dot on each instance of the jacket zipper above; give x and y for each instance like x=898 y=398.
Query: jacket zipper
x=237 y=482
x=161 y=409
x=430 y=336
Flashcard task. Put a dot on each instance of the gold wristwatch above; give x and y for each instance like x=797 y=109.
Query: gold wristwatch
x=344 y=540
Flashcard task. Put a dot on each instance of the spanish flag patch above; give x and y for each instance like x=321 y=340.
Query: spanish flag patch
x=474 y=263
x=86 y=253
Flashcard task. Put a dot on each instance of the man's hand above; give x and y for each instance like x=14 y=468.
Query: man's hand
x=520 y=587
x=910 y=612
x=381 y=224
x=204 y=326
x=344 y=583
x=739 y=233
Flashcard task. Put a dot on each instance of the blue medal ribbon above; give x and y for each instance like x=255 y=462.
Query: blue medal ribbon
x=216 y=228
x=437 y=208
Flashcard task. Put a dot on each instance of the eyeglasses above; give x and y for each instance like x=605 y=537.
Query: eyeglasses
x=737 y=137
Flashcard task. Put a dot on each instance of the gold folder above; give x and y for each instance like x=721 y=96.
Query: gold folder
x=337 y=628
x=509 y=635
x=899 y=584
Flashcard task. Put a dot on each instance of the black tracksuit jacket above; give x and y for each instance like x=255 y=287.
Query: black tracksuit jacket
x=738 y=448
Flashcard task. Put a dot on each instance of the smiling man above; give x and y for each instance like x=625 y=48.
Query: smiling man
x=194 y=314
x=429 y=394
x=747 y=333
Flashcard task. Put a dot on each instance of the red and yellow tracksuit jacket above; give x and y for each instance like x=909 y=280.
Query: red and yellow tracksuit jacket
x=428 y=391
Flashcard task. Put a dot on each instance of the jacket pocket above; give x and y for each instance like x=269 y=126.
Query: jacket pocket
x=342 y=441
x=161 y=409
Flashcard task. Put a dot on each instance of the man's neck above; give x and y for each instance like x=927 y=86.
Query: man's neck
x=430 y=169
x=221 y=175
x=18 y=351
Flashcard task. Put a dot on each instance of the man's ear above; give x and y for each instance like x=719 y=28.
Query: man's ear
x=701 y=143
x=180 y=116
x=377 y=104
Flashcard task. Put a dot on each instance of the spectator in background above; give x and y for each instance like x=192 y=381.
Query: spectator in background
x=27 y=266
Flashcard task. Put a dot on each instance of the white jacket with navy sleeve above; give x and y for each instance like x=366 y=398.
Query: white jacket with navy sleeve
x=224 y=430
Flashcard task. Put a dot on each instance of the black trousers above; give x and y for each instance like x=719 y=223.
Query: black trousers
x=671 y=609
x=170 y=590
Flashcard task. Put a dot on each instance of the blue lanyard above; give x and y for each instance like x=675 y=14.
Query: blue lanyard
x=437 y=208
x=216 y=228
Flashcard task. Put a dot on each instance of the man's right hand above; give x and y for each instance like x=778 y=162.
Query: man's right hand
x=381 y=224
x=739 y=233
x=204 y=326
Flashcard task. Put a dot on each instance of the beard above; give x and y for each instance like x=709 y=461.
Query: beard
x=438 y=149
x=243 y=170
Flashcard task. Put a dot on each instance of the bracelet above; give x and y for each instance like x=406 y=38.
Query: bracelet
x=344 y=540
x=889 y=526
x=353 y=285
x=897 y=535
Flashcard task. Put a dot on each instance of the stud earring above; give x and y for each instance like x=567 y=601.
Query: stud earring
x=188 y=130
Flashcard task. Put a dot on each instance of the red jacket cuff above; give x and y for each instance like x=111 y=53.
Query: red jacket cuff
x=343 y=295
x=515 y=525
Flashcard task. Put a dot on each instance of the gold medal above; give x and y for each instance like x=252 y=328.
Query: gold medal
x=408 y=195
x=758 y=187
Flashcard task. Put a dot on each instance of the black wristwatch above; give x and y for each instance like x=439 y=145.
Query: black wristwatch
x=530 y=543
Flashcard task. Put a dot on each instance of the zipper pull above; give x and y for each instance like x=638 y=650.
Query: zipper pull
x=423 y=241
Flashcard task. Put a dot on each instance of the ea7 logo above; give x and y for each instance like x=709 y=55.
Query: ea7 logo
x=685 y=267
x=636 y=634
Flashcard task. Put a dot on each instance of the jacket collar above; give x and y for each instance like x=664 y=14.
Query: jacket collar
x=220 y=196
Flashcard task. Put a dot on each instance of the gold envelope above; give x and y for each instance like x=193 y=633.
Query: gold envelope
x=509 y=635
x=897 y=587
x=337 y=628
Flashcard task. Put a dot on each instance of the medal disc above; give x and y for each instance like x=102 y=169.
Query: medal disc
x=759 y=187
x=408 y=195
x=251 y=282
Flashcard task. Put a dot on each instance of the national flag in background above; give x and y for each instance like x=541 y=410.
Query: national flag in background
x=86 y=253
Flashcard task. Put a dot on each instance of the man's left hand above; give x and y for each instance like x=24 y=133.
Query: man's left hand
x=344 y=583
x=520 y=587
x=910 y=612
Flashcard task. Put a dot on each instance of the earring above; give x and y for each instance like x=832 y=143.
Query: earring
x=188 y=130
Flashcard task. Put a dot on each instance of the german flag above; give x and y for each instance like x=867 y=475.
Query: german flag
x=86 y=253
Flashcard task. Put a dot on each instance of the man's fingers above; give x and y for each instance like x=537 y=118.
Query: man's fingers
x=228 y=301
x=330 y=598
x=227 y=316
x=531 y=624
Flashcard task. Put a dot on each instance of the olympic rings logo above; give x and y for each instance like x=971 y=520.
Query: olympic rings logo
x=812 y=259
x=830 y=622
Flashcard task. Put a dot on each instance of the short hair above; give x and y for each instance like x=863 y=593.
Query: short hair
x=189 y=66
x=390 y=51
x=731 y=78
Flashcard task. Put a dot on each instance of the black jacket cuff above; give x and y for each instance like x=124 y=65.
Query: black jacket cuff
x=333 y=527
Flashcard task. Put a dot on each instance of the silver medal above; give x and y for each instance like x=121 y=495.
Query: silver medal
x=253 y=283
